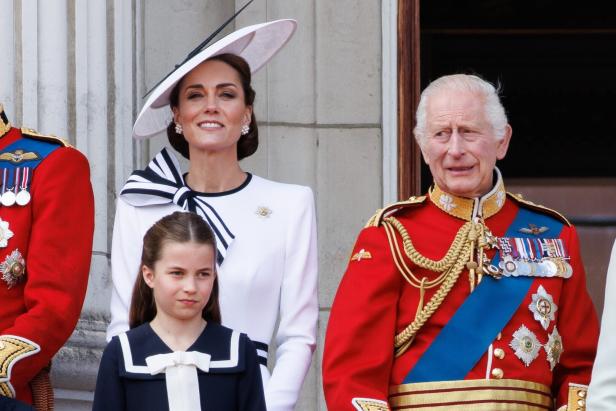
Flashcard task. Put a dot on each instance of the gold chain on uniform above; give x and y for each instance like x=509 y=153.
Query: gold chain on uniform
x=472 y=236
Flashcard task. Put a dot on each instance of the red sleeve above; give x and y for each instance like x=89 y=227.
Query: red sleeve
x=57 y=260
x=359 y=348
x=578 y=324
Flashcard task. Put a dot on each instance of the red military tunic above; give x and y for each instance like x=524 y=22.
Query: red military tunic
x=45 y=251
x=374 y=303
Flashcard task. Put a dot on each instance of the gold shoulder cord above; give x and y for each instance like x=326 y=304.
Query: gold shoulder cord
x=470 y=237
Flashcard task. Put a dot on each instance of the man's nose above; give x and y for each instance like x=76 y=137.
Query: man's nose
x=456 y=144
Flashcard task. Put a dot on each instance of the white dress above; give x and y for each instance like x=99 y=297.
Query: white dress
x=602 y=389
x=269 y=273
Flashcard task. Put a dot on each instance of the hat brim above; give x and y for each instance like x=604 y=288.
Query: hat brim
x=256 y=44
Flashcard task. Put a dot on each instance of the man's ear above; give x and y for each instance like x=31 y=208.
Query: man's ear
x=503 y=144
x=423 y=154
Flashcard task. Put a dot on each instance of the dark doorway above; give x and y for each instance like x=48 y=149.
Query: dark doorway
x=556 y=64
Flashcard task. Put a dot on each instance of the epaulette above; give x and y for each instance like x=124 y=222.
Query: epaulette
x=28 y=132
x=537 y=207
x=381 y=213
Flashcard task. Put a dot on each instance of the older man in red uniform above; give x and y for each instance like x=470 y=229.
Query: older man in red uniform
x=46 y=228
x=468 y=298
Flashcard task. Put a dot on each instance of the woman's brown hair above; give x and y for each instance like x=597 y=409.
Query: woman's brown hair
x=179 y=227
x=247 y=144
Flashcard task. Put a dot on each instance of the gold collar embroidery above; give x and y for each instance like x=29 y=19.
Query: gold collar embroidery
x=462 y=207
x=5 y=126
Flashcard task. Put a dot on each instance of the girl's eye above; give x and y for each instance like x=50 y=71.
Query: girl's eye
x=175 y=273
x=204 y=274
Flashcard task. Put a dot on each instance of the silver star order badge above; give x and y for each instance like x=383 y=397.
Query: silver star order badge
x=554 y=348
x=543 y=307
x=525 y=344
x=5 y=233
x=13 y=268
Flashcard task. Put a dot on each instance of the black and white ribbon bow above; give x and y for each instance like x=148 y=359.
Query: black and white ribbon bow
x=161 y=182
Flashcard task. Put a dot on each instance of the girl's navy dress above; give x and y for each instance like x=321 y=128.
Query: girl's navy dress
x=233 y=381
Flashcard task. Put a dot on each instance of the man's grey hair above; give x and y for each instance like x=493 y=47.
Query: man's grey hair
x=495 y=112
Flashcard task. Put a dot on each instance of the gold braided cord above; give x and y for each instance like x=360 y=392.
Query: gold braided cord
x=404 y=338
x=461 y=251
x=401 y=264
x=444 y=263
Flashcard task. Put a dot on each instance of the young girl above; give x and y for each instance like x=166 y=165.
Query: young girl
x=176 y=355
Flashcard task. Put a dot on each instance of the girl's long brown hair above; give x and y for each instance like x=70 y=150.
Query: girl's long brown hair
x=179 y=227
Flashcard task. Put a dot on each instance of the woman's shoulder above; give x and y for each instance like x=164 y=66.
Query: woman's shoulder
x=286 y=190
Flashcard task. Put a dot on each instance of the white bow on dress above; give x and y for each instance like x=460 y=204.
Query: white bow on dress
x=181 y=379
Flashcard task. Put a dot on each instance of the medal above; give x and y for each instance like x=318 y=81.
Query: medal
x=5 y=233
x=525 y=345
x=568 y=270
x=524 y=268
x=543 y=308
x=6 y=200
x=13 y=268
x=554 y=348
x=23 y=197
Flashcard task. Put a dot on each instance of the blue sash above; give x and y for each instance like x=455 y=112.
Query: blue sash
x=486 y=311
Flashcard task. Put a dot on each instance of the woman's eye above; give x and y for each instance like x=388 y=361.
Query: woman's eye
x=228 y=94
x=193 y=96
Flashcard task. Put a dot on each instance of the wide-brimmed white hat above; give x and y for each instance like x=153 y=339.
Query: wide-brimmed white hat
x=256 y=44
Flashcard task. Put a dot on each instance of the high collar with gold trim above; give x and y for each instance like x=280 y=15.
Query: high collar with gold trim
x=5 y=126
x=467 y=208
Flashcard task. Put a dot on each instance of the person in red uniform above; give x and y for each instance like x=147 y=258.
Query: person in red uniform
x=46 y=229
x=467 y=298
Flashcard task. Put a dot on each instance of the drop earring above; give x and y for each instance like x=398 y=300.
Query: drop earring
x=178 y=128
x=245 y=129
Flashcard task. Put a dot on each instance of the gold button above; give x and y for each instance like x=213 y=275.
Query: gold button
x=581 y=402
x=582 y=394
x=1 y=345
x=497 y=373
x=499 y=353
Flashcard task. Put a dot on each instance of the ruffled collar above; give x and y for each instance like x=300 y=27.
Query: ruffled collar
x=464 y=208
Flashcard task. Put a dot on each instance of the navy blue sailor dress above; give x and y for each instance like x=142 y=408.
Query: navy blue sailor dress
x=231 y=380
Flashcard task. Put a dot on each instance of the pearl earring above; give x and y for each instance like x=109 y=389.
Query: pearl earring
x=245 y=129
x=178 y=128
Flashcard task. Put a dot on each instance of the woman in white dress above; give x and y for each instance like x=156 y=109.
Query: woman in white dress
x=266 y=231
x=602 y=389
